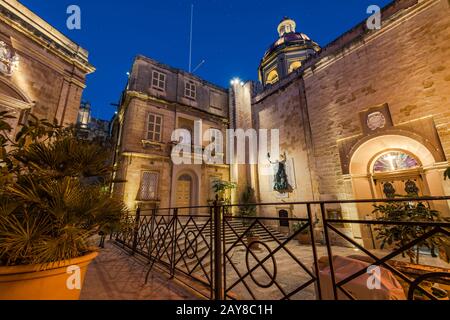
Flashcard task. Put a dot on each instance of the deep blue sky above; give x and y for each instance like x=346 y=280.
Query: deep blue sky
x=231 y=35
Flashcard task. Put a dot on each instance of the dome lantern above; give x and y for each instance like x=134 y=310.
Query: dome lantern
x=286 y=25
x=287 y=54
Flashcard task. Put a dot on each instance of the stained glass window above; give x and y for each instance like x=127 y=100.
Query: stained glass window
x=394 y=161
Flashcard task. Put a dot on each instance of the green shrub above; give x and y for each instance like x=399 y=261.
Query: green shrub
x=52 y=194
x=397 y=236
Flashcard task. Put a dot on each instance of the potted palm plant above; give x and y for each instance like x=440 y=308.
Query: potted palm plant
x=53 y=200
x=222 y=190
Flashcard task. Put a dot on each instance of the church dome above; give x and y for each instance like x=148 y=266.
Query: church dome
x=286 y=54
x=291 y=39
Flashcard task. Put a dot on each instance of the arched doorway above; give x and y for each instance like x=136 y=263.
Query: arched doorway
x=15 y=102
x=390 y=162
x=390 y=165
x=184 y=193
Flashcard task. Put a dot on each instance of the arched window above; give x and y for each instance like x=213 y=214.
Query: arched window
x=394 y=161
x=294 y=66
x=272 y=77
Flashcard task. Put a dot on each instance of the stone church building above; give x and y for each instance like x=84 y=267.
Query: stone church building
x=365 y=117
x=42 y=72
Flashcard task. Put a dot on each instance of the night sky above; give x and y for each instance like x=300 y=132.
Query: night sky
x=231 y=35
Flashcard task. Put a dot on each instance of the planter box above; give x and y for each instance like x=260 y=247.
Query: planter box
x=304 y=238
x=33 y=282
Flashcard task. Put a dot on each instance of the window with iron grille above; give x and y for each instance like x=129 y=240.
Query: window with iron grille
x=159 y=80
x=149 y=186
x=190 y=90
x=154 y=128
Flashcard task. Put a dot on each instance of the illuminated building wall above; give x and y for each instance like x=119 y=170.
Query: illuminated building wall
x=42 y=71
x=158 y=100
x=369 y=96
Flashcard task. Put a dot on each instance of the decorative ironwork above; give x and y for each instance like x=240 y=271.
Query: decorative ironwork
x=411 y=188
x=191 y=244
x=389 y=190
x=218 y=256
x=272 y=276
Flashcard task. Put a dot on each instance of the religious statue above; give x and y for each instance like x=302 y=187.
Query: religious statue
x=281 y=183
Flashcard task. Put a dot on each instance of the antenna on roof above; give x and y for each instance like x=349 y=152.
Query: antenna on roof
x=190 y=38
x=199 y=65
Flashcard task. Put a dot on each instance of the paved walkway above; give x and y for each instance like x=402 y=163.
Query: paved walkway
x=114 y=275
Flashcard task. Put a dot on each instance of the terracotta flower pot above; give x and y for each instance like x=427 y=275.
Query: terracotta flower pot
x=303 y=238
x=30 y=283
x=252 y=242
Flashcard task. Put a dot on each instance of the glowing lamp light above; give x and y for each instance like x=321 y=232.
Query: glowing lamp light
x=237 y=81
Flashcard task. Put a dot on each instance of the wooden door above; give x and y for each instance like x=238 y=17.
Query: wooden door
x=400 y=186
x=183 y=195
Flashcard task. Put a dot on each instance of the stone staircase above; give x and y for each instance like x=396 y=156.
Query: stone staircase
x=235 y=229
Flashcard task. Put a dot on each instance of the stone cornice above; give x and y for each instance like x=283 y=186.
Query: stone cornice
x=393 y=15
x=20 y=18
x=144 y=156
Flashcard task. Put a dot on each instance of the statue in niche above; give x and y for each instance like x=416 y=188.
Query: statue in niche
x=281 y=183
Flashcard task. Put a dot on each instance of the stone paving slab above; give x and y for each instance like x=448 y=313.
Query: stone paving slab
x=114 y=275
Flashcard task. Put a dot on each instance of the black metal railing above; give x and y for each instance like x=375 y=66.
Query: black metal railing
x=247 y=257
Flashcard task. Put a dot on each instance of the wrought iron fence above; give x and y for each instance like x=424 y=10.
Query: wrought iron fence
x=264 y=257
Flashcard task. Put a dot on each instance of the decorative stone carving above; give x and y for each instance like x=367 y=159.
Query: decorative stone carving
x=376 y=120
x=9 y=61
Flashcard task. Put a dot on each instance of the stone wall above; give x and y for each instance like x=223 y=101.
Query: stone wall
x=405 y=65
x=321 y=107
x=209 y=97
x=282 y=111
x=52 y=70
x=138 y=154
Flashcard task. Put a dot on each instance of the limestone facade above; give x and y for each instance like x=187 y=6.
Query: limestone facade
x=158 y=100
x=42 y=71
x=367 y=114
x=368 y=93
